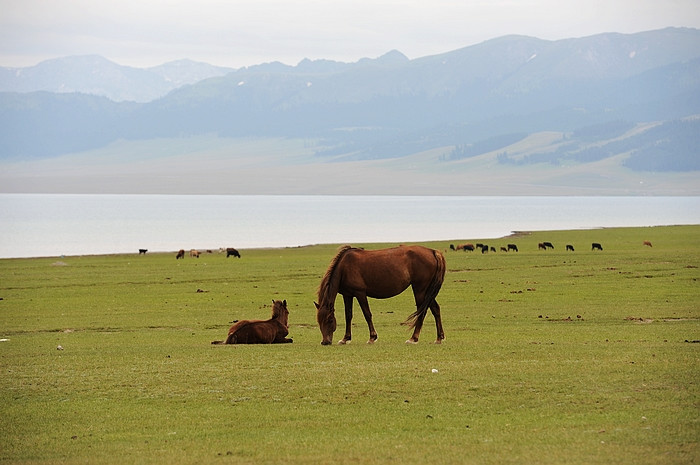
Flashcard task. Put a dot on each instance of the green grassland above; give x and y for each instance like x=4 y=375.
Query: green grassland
x=550 y=357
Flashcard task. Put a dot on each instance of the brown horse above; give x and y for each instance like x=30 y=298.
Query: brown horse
x=380 y=274
x=272 y=331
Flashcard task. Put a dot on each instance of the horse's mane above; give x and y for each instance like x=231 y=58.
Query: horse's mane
x=326 y=295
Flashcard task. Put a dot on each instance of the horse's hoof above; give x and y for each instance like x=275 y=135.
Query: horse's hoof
x=371 y=341
x=439 y=341
x=411 y=341
x=342 y=342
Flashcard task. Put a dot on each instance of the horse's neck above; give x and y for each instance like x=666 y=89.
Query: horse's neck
x=283 y=320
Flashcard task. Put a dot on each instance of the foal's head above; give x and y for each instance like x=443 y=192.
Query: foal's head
x=280 y=312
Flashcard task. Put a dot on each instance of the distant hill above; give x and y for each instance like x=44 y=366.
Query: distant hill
x=95 y=75
x=630 y=99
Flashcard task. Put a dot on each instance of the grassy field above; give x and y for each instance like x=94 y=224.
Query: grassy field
x=550 y=357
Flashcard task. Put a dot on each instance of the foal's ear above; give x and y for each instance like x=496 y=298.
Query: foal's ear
x=284 y=302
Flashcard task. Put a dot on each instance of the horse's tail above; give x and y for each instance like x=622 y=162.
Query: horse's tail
x=432 y=291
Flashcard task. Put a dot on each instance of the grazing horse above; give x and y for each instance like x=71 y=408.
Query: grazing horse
x=541 y=246
x=194 y=253
x=143 y=251
x=503 y=249
x=180 y=254
x=596 y=246
x=569 y=247
x=513 y=247
x=549 y=245
x=272 y=331
x=231 y=251
x=647 y=243
x=358 y=274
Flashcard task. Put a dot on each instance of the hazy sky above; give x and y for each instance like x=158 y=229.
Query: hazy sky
x=238 y=33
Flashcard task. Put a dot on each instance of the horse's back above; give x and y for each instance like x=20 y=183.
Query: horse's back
x=388 y=272
x=241 y=331
x=396 y=257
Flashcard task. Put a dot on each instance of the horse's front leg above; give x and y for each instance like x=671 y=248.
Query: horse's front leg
x=348 y=320
x=364 y=305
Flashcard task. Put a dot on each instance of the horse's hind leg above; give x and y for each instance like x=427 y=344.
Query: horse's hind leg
x=435 y=309
x=416 y=330
x=419 y=297
x=348 y=320
x=362 y=300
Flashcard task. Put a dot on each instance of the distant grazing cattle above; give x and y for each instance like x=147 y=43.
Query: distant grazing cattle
x=541 y=246
x=194 y=253
x=596 y=246
x=647 y=243
x=231 y=251
x=493 y=249
x=484 y=248
x=569 y=247
x=513 y=247
x=464 y=247
x=143 y=251
x=180 y=254
x=503 y=249
x=549 y=245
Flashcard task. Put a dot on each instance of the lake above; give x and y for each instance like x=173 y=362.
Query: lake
x=33 y=225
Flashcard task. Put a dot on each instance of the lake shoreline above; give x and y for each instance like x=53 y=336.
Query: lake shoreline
x=216 y=251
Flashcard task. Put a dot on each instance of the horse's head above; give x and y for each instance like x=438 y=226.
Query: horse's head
x=280 y=312
x=326 y=322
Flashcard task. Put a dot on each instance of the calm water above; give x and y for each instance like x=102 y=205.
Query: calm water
x=53 y=225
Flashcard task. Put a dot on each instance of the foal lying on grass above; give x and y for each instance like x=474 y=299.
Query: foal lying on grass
x=272 y=331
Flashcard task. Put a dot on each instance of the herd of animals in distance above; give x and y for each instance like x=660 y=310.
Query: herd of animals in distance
x=194 y=253
x=484 y=248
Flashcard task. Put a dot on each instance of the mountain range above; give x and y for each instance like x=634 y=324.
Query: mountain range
x=95 y=75
x=621 y=103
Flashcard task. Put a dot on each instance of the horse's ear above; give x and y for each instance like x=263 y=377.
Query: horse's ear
x=316 y=305
x=284 y=302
